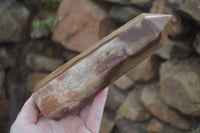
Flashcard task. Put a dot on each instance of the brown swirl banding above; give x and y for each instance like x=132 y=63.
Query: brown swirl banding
x=108 y=59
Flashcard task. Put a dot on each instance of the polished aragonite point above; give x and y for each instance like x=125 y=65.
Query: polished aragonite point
x=80 y=79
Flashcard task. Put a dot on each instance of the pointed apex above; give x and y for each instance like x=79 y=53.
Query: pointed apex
x=160 y=20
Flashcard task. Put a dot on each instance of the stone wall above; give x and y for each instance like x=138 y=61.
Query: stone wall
x=160 y=95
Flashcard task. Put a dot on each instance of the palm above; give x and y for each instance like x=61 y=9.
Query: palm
x=87 y=120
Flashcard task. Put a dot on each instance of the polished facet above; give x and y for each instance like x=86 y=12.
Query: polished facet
x=80 y=79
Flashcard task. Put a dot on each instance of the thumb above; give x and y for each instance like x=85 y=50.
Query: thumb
x=29 y=112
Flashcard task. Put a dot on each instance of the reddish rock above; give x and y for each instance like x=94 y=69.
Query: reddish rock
x=34 y=78
x=107 y=122
x=115 y=98
x=79 y=24
x=180 y=82
x=12 y=22
x=146 y=70
x=6 y=60
x=197 y=43
x=124 y=83
x=188 y=7
x=151 y=99
x=40 y=62
x=154 y=126
x=132 y=109
x=158 y=6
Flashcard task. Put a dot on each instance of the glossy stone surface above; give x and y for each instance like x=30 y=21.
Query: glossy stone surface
x=68 y=87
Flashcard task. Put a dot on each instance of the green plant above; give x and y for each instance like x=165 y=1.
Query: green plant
x=51 y=4
x=47 y=23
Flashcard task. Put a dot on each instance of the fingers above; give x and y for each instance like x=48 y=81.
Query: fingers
x=29 y=112
x=85 y=110
x=94 y=118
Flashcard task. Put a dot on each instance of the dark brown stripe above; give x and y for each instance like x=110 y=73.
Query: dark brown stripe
x=131 y=35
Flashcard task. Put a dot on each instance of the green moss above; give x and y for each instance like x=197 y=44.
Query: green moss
x=51 y=4
x=47 y=23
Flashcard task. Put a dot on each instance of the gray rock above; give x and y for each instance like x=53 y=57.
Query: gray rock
x=124 y=83
x=5 y=59
x=33 y=79
x=2 y=78
x=127 y=126
x=152 y=101
x=34 y=3
x=132 y=108
x=107 y=122
x=115 y=98
x=189 y=8
x=68 y=54
x=12 y=22
x=43 y=63
x=175 y=49
x=155 y=126
x=129 y=2
x=42 y=17
x=124 y=13
x=196 y=43
x=180 y=82
x=147 y=70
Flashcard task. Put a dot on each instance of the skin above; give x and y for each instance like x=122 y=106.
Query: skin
x=85 y=120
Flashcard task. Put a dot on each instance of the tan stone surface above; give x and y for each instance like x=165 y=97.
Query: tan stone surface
x=124 y=83
x=154 y=126
x=146 y=70
x=132 y=109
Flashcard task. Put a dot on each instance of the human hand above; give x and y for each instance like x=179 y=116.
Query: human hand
x=87 y=120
